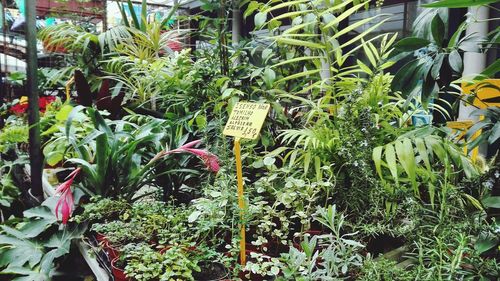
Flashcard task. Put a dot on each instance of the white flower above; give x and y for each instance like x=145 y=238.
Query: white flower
x=488 y=184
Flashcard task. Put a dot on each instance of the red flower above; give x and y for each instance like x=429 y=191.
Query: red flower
x=210 y=160
x=66 y=201
x=22 y=107
x=44 y=101
x=19 y=109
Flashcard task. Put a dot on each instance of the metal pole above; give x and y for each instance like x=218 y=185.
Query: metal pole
x=33 y=109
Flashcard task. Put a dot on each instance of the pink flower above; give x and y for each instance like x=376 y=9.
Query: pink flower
x=210 y=160
x=66 y=201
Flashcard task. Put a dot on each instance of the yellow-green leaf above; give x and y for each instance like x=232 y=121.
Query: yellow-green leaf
x=390 y=158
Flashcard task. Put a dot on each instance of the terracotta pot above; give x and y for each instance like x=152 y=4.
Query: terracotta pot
x=112 y=251
x=101 y=238
x=118 y=273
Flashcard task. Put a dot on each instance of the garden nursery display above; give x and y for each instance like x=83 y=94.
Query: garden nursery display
x=342 y=159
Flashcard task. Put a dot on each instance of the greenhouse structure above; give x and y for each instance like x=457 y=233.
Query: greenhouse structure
x=234 y=140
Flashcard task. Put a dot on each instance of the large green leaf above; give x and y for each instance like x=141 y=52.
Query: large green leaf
x=18 y=252
x=485 y=242
x=490 y=71
x=133 y=14
x=411 y=44
x=423 y=153
x=492 y=202
x=495 y=133
x=455 y=61
x=287 y=4
x=344 y=15
x=406 y=156
x=41 y=218
x=269 y=76
x=260 y=19
x=144 y=15
x=438 y=30
x=300 y=43
x=408 y=77
x=377 y=158
x=390 y=158
x=252 y=6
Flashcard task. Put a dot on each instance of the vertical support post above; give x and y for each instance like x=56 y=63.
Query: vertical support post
x=33 y=110
x=241 y=199
x=474 y=63
x=105 y=17
x=236 y=27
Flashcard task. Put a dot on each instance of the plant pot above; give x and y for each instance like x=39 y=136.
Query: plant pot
x=211 y=271
x=101 y=238
x=118 y=273
x=112 y=251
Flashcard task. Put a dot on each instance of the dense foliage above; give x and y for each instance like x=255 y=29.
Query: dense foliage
x=342 y=183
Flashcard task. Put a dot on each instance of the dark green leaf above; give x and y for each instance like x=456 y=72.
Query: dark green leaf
x=455 y=38
x=495 y=133
x=133 y=14
x=33 y=228
x=429 y=89
x=404 y=75
x=436 y=67
x=411 y=44
x=144 y=15
x=438 y=30
x=490 y=71
x=485 y=242
x=492 y=202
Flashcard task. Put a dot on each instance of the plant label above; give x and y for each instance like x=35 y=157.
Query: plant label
x=246 y=120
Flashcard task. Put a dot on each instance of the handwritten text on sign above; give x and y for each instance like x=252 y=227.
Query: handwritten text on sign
x=246 y=120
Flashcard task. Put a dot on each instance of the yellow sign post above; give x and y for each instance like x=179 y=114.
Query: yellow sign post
x=245 y=121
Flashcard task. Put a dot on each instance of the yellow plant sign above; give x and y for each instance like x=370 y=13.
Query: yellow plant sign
x=246 y=120
x=487 y=92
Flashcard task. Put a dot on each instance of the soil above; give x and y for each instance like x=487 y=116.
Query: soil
x=211 y=271
x=383 y=244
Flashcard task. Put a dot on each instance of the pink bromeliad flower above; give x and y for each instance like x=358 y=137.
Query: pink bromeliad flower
x=210 y=160
x=66 y=201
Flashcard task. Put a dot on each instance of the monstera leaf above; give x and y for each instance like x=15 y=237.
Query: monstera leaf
x=30 y=248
